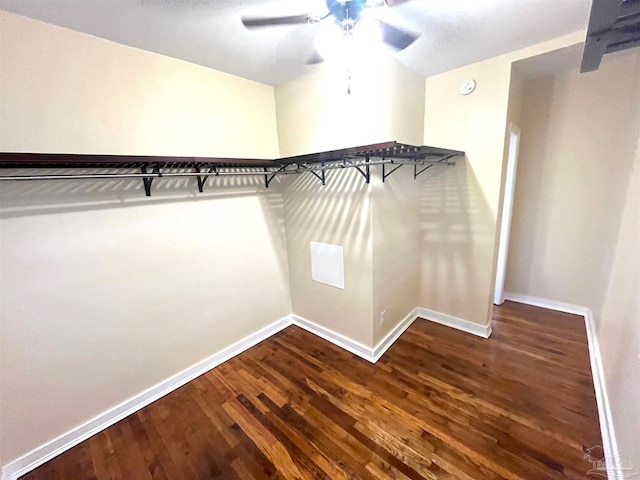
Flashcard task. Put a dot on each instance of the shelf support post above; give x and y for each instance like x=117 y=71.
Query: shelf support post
x=384 y=172
x=274 y=174
x=148 y=181
x=366 y=173
x=200 y=179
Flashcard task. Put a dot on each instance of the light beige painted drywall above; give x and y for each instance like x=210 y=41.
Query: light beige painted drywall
x=461 y=210
x=396 y=246
x=619 y=325
x=141 y=103
x=516 y=92
x=460 y=204
x=578 y=143
x=575 y=235
x=378 y=227
x=339 y=214
x=315 y=112
x=106 y=292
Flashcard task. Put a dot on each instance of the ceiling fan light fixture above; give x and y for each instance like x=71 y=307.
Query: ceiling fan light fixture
x=334 y=43
x=331 y=42
x=368 y=34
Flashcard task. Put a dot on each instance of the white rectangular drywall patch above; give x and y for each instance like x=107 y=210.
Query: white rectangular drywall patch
x=327 y=264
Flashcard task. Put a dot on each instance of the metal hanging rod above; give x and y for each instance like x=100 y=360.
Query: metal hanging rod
x=150 y=168
x=107 y=176
x=306 y=168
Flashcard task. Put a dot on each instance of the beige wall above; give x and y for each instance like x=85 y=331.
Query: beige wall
x=106 y=292
x=516 y=93
x=461 y=208
x=141 y=102
x=104 y=297
x=460 y=204
x=315 y=112
x=579 y=136
x=575 y=236
x=339 y=214
x=396 y=235
x=378 y=227
x=619 y=325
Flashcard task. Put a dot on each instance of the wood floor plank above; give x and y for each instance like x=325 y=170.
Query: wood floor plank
x=440 y=404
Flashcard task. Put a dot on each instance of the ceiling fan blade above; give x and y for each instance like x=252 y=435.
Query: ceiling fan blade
x=395 y=3
x=396 y=37
x=314 y=59
x=257 y=22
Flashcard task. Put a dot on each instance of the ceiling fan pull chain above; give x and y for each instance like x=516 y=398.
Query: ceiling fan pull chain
x=348 y=81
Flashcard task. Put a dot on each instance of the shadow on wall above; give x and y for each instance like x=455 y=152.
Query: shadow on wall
x=272 y=202
x=42 y=197
x=456 y=243
x=396 y=246
x=21 y=197
x=343 y=217
x=338 y=213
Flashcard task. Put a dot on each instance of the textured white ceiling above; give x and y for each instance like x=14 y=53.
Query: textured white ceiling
x=209 y=32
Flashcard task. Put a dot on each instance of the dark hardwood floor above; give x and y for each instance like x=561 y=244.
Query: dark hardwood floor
x=440 y=404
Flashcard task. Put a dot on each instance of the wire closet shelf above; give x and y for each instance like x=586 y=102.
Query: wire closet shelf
x=389 y=155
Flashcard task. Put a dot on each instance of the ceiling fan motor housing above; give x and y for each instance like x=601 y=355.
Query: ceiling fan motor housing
x=346 y=10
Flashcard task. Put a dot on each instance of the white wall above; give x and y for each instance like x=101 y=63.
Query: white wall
x=575 y=236
x=106 y=292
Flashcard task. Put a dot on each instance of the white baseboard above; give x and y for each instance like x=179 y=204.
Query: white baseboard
x=370 y=354
x=544 y=303
x=389 y=339
x=609 y=442
x=338 y=339
x=455 y=322
x=55 y=447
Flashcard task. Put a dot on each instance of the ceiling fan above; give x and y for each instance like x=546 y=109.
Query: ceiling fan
x=347 y=15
